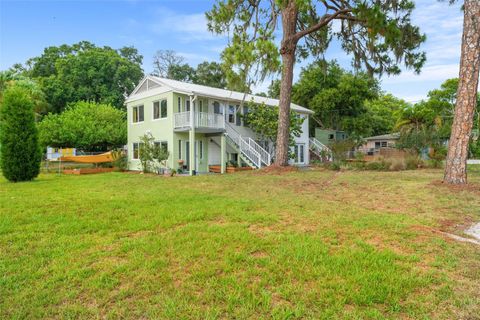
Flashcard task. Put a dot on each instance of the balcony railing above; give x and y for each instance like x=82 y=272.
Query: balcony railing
x=201 y=120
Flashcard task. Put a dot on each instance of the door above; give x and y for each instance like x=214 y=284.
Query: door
x=299 y=152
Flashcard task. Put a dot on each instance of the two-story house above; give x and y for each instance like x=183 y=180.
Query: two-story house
x=201 y=126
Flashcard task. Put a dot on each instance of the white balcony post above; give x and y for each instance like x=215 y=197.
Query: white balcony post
x=222 y=153
x=191 y=165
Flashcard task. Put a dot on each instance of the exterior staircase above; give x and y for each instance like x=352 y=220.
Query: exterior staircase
x=247 y=148
x=319 y=149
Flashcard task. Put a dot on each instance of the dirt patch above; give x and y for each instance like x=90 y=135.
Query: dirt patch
x=276 y=170
x=469 y=187
x=259 y=254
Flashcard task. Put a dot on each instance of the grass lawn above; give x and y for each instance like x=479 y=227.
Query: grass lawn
x=316 y=244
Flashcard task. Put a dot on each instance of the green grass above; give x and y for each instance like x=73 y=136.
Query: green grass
x=317 y=244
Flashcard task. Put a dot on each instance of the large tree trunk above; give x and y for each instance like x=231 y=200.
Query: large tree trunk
x=287 y=50
x=456 y=166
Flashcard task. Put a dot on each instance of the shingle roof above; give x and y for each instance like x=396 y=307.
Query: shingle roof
x=190 y=88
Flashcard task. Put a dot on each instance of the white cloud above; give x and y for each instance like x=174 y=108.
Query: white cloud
x=188 y=27
x=429 y=73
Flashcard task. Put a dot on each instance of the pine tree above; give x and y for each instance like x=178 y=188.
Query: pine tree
x=20 y=152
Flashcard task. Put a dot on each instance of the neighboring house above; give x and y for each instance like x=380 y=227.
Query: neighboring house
x=54 y=153
x=327 y=136
x=168 y=108
x=373 y=144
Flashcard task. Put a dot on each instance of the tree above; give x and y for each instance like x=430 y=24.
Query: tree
x=336 y=96
x=152 y=154
x=85 y=125
x=11 y=78
x=83 y=71
x=164 y=60
x=378 y=34
x=20 y=153
x=182 y=72
x=263 y=119
x=210 y=74
x=456 y=166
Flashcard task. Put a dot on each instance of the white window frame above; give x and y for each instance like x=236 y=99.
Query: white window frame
x=153 y=110
x=138 y=150
x=138 y=113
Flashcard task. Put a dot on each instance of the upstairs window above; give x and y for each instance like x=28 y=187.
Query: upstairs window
x=231 y=114
x=163 y=108
x=245 y=116
x=179 y=108
x=200 y=106
x=156 y=110
x=187 y=105
x=137 y=114
x=216 y=107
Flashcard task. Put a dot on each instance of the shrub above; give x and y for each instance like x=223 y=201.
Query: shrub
x=397 y=164
x=20 y=152
x=413 y=162
x=380 y=165
x=152 y=156
x=120 y=160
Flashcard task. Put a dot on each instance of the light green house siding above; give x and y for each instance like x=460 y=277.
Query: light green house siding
x=162 y=130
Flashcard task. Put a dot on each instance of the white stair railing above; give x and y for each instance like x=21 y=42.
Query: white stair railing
x=265 y=157
x=245 y=146
x=317 y=147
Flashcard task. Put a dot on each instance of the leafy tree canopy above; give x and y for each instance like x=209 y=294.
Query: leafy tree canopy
x=85 y=125
x=262 y=119
x=83 y=71
x=169 y=64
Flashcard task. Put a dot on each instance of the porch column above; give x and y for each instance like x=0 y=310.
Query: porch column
x=191 y=165
x=223 y=149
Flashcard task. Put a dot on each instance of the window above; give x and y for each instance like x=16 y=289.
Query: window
x=200 y=106
x=156 y=110
x=135 y=150
x=162 y=144
x=179 y=149
x=200 y=146
x=216 y=107
x=377 y=145
x=179 y=104
x=187 y=105
x=245 y=116
x=384 y=144
x=302 y=153
x=299 y=152
x=330 y=136
x=238 y=119
x=163 y=108
x=137 y=114
x=231 y=114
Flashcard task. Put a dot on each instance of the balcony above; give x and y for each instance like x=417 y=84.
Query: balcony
x=204 y=122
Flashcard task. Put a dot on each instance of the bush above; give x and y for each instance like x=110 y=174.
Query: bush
x=398 y=164
x=413 y=162
x=20 y=154
x=380 y=165
x=152 y=156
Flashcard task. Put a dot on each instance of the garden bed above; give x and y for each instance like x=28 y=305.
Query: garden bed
x=229 y=169
x=88 y=170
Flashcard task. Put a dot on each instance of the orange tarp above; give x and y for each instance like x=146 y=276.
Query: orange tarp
x=98 y=158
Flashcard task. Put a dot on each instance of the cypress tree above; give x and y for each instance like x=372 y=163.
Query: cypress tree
x=20 y=152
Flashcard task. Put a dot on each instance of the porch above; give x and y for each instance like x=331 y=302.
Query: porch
x=204 y=122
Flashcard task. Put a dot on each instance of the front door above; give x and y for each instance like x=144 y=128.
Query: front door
x=299 y=152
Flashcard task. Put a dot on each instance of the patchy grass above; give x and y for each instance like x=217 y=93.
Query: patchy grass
x=314 y=244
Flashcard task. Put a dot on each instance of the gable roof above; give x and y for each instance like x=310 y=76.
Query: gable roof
x=195 y=89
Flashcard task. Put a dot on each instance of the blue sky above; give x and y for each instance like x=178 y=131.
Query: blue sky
x=27 y=27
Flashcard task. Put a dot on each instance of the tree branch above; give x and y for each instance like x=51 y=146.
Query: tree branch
x=326 y=19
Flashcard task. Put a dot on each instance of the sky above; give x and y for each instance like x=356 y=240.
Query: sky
x=27 y=27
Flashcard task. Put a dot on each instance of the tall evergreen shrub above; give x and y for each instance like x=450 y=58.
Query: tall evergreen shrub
x=20 y=153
